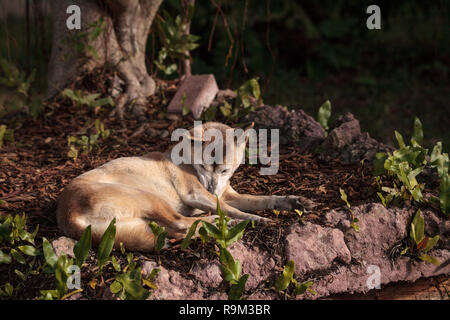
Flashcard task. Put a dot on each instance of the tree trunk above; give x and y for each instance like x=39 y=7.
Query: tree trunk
x=122 y=45
x=186 y=62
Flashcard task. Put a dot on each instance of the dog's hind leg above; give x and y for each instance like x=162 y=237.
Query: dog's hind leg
x=96 y=204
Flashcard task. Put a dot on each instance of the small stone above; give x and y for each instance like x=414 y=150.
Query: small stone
x=151 y=132
x=295 y=126
x=223 y=96
x=64 y=245
x=164 y=134
x=345 y=133
x=198 y=92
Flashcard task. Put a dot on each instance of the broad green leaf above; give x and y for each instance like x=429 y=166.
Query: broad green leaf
x=236 y=233
x=237 y=289
x=106 y=244
x=344 y=197
x=445 y=194
x=156 y=229
x=161 y=241
x=29 y=250
x=22 y=276
x=418 y=131
x=430 y=259
x=49 y=253
x=49 y=294
x=9 y=289
x=115 y=264
x=4 y=258
x=286 y=277
x=417 y=227
x=29 y=237
x=303 y=287
x=211 y=230
x=187 y=240
x=436 y=153
x=61 y=274
x=226 y=109
x=203 y=234
x=324 y=114
x=17 y=256
x=115 y=287
x=131 y=263
x=399 y=137
x=231 y=269
x=160 y=235
x=131 y=283
x=186 y=110
x=431 y=243
x=82 y=247
x=256 y=91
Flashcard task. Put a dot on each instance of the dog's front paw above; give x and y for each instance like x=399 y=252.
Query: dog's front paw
x=296 y=202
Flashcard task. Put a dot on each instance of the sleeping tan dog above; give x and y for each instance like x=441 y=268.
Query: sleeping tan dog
x=138 y=190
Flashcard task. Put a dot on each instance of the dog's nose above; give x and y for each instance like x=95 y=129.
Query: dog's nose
x=212 y=187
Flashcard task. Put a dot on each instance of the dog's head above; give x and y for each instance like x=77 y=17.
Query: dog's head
x=222 y=151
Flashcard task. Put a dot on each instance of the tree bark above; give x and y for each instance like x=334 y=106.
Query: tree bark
x=122 y=45
x=186 y=62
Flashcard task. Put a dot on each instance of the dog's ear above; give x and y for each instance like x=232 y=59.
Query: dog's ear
x=196 y=134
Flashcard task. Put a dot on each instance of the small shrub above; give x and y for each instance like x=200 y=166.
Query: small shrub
x=287 y=278
x=406 y=163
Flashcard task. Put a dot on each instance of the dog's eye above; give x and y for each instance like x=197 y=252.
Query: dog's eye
x=225 y=171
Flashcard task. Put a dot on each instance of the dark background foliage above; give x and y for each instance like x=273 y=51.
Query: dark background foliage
x=304 y=53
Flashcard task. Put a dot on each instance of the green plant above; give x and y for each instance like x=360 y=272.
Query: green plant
x=287 y=278
x=106 y=245
x=82 y=40
x=354 y=220
x=247 y=97
x=18 y=249
x=5 y=134
x=128 y=285
x=90 y=100
x=406 y=163
x=82 y=247
x=160 y=235
x=16 y=96
x=324 y=114
x=224 y=237
x=185 y=110
x=15 y=78
x=419 y=243
x=12 y=233
x=61 y=267
x=85 y=143
x=176 y=42
x=160 y=63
